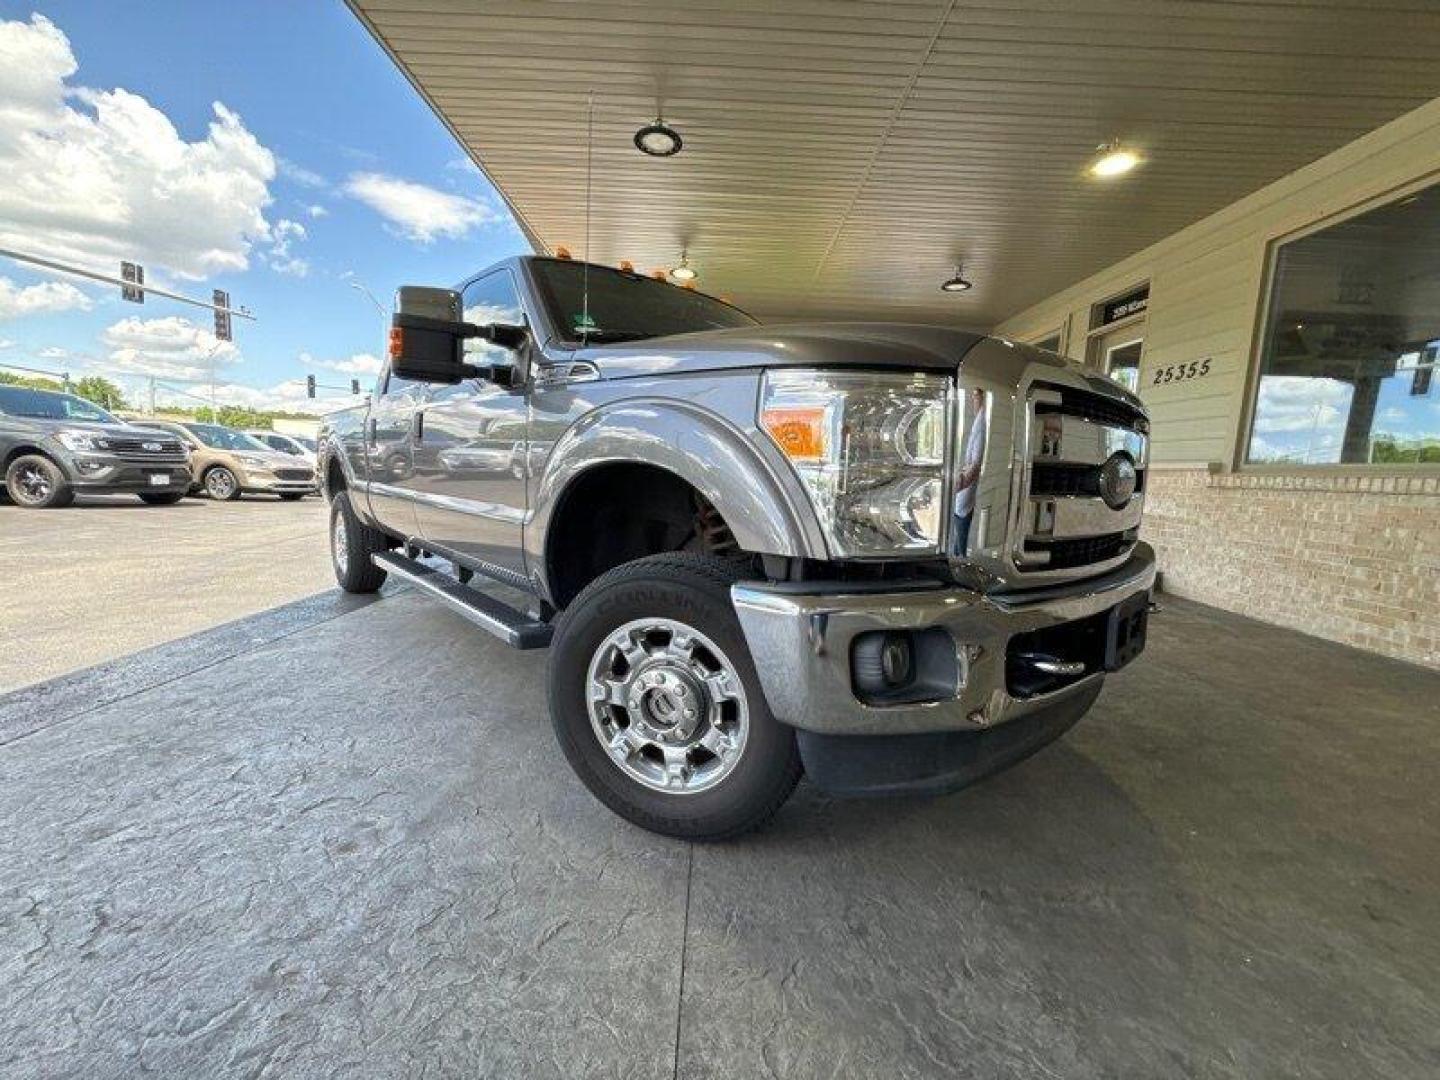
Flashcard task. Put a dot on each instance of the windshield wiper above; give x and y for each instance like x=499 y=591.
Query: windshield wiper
x=613 y=335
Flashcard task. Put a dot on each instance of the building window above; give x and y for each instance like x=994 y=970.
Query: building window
x=1350 y=347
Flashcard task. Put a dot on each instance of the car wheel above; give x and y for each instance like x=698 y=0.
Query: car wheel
x=656 y=704
x=291 y=496
x=35 y=482
x=221 y=485
x=161 y=498
x=352 y=542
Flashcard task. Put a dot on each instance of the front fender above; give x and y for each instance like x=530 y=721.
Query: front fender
x=756 y=493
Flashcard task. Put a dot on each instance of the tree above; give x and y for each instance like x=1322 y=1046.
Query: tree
x=101 y=391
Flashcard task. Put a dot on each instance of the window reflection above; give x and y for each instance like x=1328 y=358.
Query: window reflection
x=1349 y=354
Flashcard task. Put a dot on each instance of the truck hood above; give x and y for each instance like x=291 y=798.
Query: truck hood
x=118 y=431
x=910 y=346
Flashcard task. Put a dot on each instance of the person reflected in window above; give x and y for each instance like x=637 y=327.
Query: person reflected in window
x=969 y=477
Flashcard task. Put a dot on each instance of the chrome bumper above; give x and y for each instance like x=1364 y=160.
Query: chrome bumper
x=801 y=642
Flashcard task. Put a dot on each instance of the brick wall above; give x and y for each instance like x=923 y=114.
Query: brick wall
x=1352 y=559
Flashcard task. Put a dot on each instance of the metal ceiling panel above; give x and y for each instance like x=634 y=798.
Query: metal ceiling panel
x=841 y=158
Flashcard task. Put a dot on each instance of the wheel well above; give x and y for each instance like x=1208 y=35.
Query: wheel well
x=334 y=478
x=612 y=514
x=21 y=451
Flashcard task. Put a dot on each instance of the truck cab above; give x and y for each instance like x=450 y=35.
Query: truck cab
x=897 y=557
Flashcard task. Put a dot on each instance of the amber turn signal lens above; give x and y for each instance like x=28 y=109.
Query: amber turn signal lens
x=797 y=430
x=397 y=342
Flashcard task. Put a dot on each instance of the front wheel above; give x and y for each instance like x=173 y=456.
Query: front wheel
x=221 y=485
x=352 y=542
x=36 y=482
x=656 y=704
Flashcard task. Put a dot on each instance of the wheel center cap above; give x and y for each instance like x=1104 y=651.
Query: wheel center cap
x=668 y=702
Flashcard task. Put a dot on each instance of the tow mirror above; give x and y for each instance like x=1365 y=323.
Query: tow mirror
x=427 y=336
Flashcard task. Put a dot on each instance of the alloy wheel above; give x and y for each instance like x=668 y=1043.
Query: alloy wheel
x=668 y=706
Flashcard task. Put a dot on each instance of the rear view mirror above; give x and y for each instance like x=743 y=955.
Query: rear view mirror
x=427 y=338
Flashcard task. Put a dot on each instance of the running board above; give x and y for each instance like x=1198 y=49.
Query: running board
x=515 y=628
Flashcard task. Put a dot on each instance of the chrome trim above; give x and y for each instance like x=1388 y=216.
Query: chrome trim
x=1083 y=517
x=800 y=645
x=1085 y=442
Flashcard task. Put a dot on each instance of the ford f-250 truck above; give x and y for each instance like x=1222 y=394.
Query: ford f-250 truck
x=897 y=557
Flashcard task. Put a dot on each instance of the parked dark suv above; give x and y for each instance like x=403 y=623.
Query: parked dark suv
x=55 y=446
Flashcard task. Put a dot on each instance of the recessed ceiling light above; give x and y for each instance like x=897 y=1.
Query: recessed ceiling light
x=658 y=139
x=956 y=283
x=1113 y=159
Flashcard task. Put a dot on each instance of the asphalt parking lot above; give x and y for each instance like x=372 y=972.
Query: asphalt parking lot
x=337 y=839
x=110 y=575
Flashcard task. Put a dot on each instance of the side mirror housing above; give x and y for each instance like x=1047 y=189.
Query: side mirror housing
x=427 y=337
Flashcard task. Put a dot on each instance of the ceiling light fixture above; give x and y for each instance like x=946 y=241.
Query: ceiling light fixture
x=1113 y=159
x=658 y=139
x=956 y=283
x=684 y=272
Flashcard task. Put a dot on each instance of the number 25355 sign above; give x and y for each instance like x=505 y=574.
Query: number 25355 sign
x=1170 y=373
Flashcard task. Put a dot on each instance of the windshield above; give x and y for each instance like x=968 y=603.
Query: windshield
x=48 y=405
x=223 y=438
x=625 y=306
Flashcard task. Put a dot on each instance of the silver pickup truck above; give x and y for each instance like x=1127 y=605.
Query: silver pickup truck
x=897 y=558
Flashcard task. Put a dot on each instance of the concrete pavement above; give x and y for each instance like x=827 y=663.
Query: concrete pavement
x=110 y=575
x=338 y=840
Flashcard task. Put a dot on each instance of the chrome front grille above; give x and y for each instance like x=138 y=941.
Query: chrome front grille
x=1082 y=450
x=146 y=451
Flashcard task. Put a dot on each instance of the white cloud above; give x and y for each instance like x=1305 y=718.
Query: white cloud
x=315 y=210
x=301 y=175
x=53 y=352
x=282 y=237
x=98 y=176
x=6 y=343
x=46 y=298
x=1297 y=403
x=167 y=348
x=355 y=364
x=418 y=212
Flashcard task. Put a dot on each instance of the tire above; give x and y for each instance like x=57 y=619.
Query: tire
x=291 y=496
x=660 y=775
x=352 y=542
x=161 y=498
x=220 y=484
x=37 y=483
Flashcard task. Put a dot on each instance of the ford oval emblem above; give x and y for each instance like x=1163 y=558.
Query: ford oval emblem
x=1117 y=481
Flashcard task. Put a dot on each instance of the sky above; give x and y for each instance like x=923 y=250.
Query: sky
x=277 y=154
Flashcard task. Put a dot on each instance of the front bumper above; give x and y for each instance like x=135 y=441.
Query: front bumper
x=100 y=473
x=269 y=483
x=800 y=638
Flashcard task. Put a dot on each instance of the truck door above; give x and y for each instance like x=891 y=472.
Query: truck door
x=390 y=453
x=470 y=466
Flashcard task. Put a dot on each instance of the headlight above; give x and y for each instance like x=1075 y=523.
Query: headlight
x=870 y=449
x=81 y=440
x=254 y=461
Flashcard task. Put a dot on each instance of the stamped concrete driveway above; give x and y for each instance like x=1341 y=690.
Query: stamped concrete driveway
x=338 y=840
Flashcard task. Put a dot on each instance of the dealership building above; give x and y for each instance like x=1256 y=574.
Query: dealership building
x=1233 y=210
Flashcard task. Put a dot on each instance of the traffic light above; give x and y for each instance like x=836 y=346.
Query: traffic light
x=222 y=316
x=132 y=272
x=310 y=386
x=355 y=387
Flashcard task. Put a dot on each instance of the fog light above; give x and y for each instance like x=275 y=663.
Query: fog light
x=896 y=661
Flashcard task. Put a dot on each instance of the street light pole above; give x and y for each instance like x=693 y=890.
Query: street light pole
x=384 y=314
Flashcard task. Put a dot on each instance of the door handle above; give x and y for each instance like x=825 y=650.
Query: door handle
x=417 y=427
